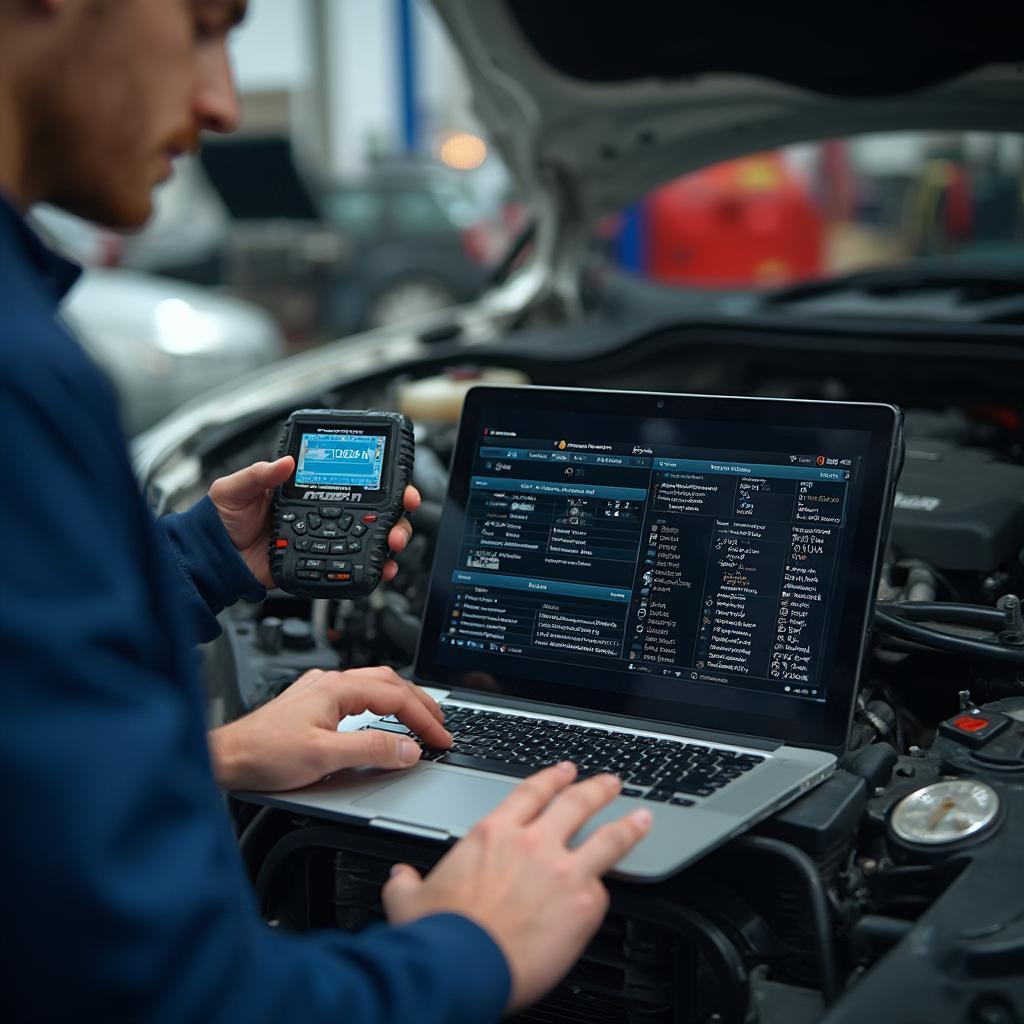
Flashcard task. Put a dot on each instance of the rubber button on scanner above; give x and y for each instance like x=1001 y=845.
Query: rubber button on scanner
x=339 y=577
x=358 y=530
x=288 y=517
x=315 y=522
x=302 y=544
x=354 y=545
x=336 y=565
x=299 y=526
x=329 y=533
x=330 y=512
x=312 y=563
x=305 y=574
x=319 y=547
x=338 y=549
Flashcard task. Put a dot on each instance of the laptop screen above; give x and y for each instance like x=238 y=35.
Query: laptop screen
x=704 y=561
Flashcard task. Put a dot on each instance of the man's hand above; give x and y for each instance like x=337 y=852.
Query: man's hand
x=293 y=740
x=243 y=502
x=515 y=876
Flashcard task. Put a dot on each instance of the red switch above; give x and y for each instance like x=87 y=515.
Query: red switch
x=370 y=517
x=974 y=729
x=280 y=543
x=970 y=723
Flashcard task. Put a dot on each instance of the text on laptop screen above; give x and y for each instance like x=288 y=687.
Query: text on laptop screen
x=606 y=542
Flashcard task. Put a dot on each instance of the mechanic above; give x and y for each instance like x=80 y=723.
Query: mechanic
x=126 y=899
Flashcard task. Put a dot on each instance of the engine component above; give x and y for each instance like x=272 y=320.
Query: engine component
x=899 y=619
x=945 y=813
x=958 y=508
x=1000 y=752
x=439 y=399
x=270 y=635
x=265 y=654
x=974 y=728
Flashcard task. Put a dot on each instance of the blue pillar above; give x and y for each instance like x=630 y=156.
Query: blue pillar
x=631 y=244
x=407 y=76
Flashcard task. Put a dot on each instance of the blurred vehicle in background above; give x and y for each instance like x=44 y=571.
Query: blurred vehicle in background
x=418 y=241
x=161 y=342
x=326 y=258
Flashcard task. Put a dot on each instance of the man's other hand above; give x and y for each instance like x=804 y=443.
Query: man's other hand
x=515 y=876
x=293 y=740
x=243 y=502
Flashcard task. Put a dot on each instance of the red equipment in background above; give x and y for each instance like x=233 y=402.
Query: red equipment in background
x=744 y=222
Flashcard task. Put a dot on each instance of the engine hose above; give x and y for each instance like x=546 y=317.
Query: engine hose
x=945 y=611
x=817 y=904
x=899 y=627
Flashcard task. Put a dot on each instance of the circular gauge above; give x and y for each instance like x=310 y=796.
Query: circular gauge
x=945 y=812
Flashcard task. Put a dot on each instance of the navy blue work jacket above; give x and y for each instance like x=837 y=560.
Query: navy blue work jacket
x=124 y=898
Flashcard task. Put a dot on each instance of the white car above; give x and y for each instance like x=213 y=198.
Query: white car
x=162 y=342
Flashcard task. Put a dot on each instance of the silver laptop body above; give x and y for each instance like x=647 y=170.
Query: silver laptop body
x=805 y=632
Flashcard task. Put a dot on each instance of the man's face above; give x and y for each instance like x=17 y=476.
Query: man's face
x=136 y=83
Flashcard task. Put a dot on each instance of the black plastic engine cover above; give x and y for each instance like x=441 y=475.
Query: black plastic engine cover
x=958 y=508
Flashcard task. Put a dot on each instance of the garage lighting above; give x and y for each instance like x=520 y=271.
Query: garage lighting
x=462 y=151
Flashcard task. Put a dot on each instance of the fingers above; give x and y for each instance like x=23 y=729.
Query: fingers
x=610 y=843
x=398 y=538
x=573 y=808
x=399 y=892
x=368 y=747
x=304 y=682
x=428 y=702
x=532 y=795
x=242 y=487
x=400 y=535
x=384 y=692
x=411 y=499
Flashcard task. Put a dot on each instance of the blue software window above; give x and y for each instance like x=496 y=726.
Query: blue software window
x=341 y=461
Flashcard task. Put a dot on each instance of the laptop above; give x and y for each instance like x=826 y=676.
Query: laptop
x=675 y=588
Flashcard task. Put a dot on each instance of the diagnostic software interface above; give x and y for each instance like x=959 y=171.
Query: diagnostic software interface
x=717 y=565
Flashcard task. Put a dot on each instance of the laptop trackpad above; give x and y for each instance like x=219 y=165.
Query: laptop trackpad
x=448 y=800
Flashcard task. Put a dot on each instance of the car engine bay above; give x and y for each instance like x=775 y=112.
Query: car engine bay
x=837 y=908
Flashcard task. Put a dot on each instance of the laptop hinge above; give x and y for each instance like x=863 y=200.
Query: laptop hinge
x=603 y=718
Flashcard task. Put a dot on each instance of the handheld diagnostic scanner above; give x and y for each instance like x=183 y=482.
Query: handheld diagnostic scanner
x=330 y=520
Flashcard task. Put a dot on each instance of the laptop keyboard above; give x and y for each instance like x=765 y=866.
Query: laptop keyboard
x=651 y=768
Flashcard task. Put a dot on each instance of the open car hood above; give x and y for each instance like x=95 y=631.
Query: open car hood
x=594 y=103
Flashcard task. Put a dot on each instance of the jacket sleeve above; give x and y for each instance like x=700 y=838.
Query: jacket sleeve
x=212 y=574
x=125 y=896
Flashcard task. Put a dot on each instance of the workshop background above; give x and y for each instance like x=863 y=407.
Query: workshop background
x=362 y=191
